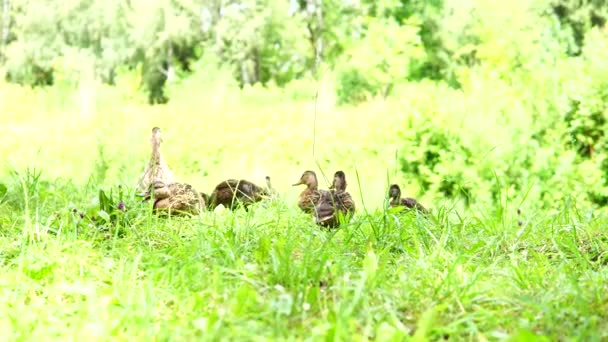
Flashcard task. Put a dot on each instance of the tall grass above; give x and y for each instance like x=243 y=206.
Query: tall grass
x=270 y=273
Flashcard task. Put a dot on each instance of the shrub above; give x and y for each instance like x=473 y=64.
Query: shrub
x=511 y=150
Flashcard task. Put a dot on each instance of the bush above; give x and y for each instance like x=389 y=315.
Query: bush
x=524 y=139
x=587 y=88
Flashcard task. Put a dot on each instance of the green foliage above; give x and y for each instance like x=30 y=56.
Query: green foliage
x=166 y=39
x=373 y=45
x=382 y=58
x=3 y=191
x=587 y=112
x=543 y=144
x=577 y=18
x=261 y=41
x=47 y=34
x=437 y=159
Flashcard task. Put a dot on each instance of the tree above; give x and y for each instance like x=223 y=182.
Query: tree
x=578 y=17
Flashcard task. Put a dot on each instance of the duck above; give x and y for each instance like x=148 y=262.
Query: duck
x=310 y=197
x=339 y=188
x=157 y=168
x=174 y=198
x=408 y=202
x=231 y=192
x=327 y=212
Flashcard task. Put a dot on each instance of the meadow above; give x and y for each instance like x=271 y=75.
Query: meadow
x=503 y=270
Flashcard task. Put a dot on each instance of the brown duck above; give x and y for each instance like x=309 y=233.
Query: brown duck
x=174 y=198
x=231 y=192
x=310 y=197
x=408 y=202
x=339 y=203
x=157 y=169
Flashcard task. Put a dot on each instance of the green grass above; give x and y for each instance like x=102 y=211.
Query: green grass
x=270 y=273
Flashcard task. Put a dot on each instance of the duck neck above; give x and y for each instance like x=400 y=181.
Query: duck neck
x=268 y=185
x=340 y=185
x=156 y=157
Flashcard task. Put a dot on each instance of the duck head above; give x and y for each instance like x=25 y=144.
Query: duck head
x=339 y=182
x=308 y=178
x=394 y=192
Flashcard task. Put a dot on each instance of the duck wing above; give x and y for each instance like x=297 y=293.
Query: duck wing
x=413 y=204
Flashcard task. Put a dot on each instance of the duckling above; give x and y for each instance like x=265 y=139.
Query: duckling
x=232 y=191
x=340 y=201
x=339 y=188
x=408 y=202
x=157 y=169
x=176 y=198
x=310 y=197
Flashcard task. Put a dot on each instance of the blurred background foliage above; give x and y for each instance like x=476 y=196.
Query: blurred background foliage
x=488 y=99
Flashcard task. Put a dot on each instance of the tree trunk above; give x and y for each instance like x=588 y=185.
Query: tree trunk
x=244 y=73
x=256 y=65
x=319 y=42
x=170 y=70
x=314 y=10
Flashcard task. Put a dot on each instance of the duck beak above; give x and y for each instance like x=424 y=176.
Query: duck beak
x=146 y=195
x=298 y=183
